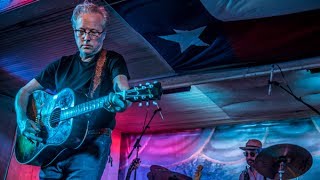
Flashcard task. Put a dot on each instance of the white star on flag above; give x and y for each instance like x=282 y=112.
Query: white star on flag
x=186 y=38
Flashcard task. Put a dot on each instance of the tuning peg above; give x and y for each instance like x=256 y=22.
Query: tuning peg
x=147 y=103
x=140 y=104
x=147 y=83
x=154 y=103
x=140 y=84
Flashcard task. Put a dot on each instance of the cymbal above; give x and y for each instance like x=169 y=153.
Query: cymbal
x=297 y=161
x=160 y=172
x=158 y=168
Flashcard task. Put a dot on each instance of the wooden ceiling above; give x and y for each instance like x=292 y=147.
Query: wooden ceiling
x=230 y=97
x=35 y=35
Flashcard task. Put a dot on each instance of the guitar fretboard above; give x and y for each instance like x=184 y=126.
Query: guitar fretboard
x=83 y=108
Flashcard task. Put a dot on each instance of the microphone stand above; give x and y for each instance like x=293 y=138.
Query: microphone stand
x=297 y=98
x=137 y=143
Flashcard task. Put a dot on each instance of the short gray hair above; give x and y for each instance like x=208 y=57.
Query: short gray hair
x=90 y=8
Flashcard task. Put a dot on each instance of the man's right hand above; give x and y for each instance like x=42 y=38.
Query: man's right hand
x=31 y=130
x=27 y=127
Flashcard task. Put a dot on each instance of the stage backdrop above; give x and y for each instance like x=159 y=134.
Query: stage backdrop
x=217 y=149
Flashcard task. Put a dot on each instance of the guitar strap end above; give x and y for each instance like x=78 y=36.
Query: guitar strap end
x=110 y=160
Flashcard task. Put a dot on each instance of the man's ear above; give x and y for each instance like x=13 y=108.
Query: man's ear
x=104 y=35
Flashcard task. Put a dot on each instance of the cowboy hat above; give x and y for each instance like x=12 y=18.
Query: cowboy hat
x=252 y=144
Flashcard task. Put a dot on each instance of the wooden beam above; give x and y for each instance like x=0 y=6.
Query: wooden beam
x=178 y=81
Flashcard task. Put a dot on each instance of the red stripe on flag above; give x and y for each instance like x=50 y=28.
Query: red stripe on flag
x=278 y=38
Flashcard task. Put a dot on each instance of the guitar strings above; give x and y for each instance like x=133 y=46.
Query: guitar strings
x=56 y=115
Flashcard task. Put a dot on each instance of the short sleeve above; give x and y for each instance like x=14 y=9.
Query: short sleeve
x=47 y=77
x=117 y=65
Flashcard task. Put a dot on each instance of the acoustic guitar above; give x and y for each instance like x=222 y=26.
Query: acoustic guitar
x=60 y=123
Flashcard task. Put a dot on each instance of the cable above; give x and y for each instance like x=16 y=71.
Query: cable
x=285 y=80
x=145 y=118
x=289 y=91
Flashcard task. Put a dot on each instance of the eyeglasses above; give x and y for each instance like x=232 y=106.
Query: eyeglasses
x=251 y=153
x=92 y=33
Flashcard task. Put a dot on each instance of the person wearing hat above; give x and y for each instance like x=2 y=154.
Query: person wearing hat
x=251 y=150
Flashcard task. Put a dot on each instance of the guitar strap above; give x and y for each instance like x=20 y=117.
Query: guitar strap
x=95 y=85
x=99 y=73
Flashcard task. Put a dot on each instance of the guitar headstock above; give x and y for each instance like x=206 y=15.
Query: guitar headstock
x=149 y=91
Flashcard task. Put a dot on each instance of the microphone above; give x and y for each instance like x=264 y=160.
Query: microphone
x=270 y=79
x=159 y=109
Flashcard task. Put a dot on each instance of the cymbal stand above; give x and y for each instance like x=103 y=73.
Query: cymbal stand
x=281 y=169
x=282 y=165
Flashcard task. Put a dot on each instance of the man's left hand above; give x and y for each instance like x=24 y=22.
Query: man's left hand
x=115 y=103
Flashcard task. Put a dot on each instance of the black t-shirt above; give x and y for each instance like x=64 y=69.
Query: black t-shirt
x=71 y=72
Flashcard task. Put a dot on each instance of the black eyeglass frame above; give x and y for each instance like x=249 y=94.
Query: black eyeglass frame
x=252 y=153
x=91 y=33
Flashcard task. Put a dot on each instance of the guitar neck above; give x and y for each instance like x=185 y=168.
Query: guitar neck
x=136 y=94
x=83 y=108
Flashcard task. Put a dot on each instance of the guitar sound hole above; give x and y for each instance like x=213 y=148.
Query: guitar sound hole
x=55 y=117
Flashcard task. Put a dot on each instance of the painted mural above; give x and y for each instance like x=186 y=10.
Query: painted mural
x=217 y=149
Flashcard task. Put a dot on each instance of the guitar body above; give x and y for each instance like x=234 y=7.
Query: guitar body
x=45 y=109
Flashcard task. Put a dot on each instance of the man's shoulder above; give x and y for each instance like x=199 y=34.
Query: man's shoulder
x=68 y=57
x=113 y=54
x=65 y=59
x=241 y=176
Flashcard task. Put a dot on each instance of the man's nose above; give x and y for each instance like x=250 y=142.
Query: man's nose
x=86 y=36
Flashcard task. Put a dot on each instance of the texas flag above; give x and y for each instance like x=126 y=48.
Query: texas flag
x=197 y=35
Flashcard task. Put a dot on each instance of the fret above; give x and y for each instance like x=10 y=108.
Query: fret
x=61 y=115
x=70 y=112
x=101 y=102
x=67 y=113
x=85 y=109
x=89 y=106
x=82 y=107
x=78 y=108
